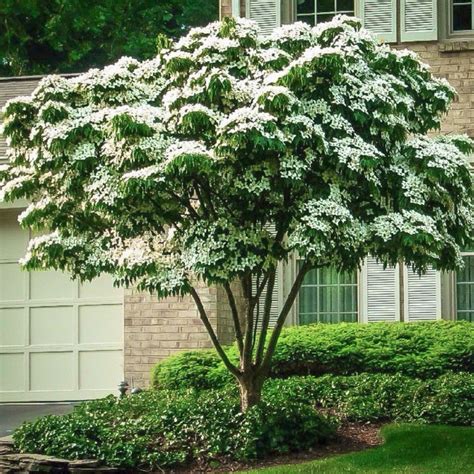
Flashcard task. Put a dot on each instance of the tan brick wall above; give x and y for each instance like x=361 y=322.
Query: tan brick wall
x=455 y=62
x=155 y=329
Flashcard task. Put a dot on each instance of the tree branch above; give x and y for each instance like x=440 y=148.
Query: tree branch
x=202 y=313
x=261 y=287
x=265 y=366
x=266 y=316
x=235 y=317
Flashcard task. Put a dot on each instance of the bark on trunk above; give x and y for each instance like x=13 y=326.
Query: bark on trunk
x=250 y=391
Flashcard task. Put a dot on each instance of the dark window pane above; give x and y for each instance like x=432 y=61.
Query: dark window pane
x=345 y=5
x=323 y=298
x=306 y=19
x=328 y=276
x=466 y=316
x=326 y=6
x=323 y=18
x=348 y=278
x=308 y=300
x=349 y=318
x=305 y=6
x=311 y=278
x=462 y=17
x=467 y=273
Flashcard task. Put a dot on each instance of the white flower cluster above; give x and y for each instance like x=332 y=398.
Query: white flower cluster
x=186 y=148
x=406 y=222
x=179 y=162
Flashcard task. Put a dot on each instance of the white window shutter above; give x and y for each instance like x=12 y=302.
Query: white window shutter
x=380 y=17
x=267 y=14
x=235 y=8
x=380 y=292
x=277 y=299
x=419 y=20
x=422 y=295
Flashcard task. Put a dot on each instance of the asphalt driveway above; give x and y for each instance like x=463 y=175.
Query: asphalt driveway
x=12 y=416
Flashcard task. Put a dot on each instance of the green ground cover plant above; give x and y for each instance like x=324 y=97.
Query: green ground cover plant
x=421 y=350
x=407 y=449
x=165 y=429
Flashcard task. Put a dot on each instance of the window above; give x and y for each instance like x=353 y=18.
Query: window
x=328 y=296
x=317 y=11
x=462 y=15
x=465 y=288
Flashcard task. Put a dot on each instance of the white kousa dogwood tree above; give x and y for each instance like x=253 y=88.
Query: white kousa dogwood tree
x=229 y=152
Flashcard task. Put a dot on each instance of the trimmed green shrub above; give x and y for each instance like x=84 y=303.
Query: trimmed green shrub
x=448 y=399
x=165 y=429
x=201 y=370
x=424 y=350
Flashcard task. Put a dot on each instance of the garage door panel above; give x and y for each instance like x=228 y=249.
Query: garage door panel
x=59 y=340
x=12 y=373
x=13 y=240
x=99 y=369
x=52 y=371
x=51 y=284
x=98 y=323
x=12 y=282
x=51 y=325
x=101 y=287
x=12 y=326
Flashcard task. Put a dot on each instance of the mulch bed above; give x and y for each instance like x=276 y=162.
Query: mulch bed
x=350 y=437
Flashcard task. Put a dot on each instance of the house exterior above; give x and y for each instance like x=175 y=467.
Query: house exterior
x=61 y=340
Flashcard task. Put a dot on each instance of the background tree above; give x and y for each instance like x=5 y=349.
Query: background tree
x=49 y=36
x=227 y=153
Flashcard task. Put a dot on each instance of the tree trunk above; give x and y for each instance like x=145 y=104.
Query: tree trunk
x=250 y=390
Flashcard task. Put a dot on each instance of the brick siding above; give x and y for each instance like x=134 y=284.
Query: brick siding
x=455 y=62
x=155 y=328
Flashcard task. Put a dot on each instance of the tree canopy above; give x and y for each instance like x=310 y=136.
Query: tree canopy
x=50 y=36
x=229 y=152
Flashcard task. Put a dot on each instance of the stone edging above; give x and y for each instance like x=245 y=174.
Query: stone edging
x=12 y=462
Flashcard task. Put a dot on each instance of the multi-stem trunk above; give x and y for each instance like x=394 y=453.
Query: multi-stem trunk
x=250 y=387
x=255 y=351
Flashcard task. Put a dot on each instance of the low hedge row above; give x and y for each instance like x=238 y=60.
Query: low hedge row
x=423 y=350
x=448 y=399
x=156 y=430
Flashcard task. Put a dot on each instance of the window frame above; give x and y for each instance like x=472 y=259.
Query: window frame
x=454 y=277
x=451 y=19
x=294 y=318
x=445 y=23
x=357 y=11
x=469 y=253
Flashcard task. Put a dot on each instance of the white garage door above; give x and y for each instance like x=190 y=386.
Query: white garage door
x=59 y=340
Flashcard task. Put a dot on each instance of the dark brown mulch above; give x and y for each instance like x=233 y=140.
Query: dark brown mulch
x=350 y=437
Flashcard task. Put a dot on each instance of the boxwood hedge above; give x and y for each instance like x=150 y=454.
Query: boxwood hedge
x=423 y=350
x=447 y=399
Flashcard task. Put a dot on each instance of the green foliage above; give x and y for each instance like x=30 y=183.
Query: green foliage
x=419 y=350
x=448 y=399
x=201 y=370
x=158 y=430
x=69 y=36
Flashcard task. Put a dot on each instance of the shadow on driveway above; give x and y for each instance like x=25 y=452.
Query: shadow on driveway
x=12 y=416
